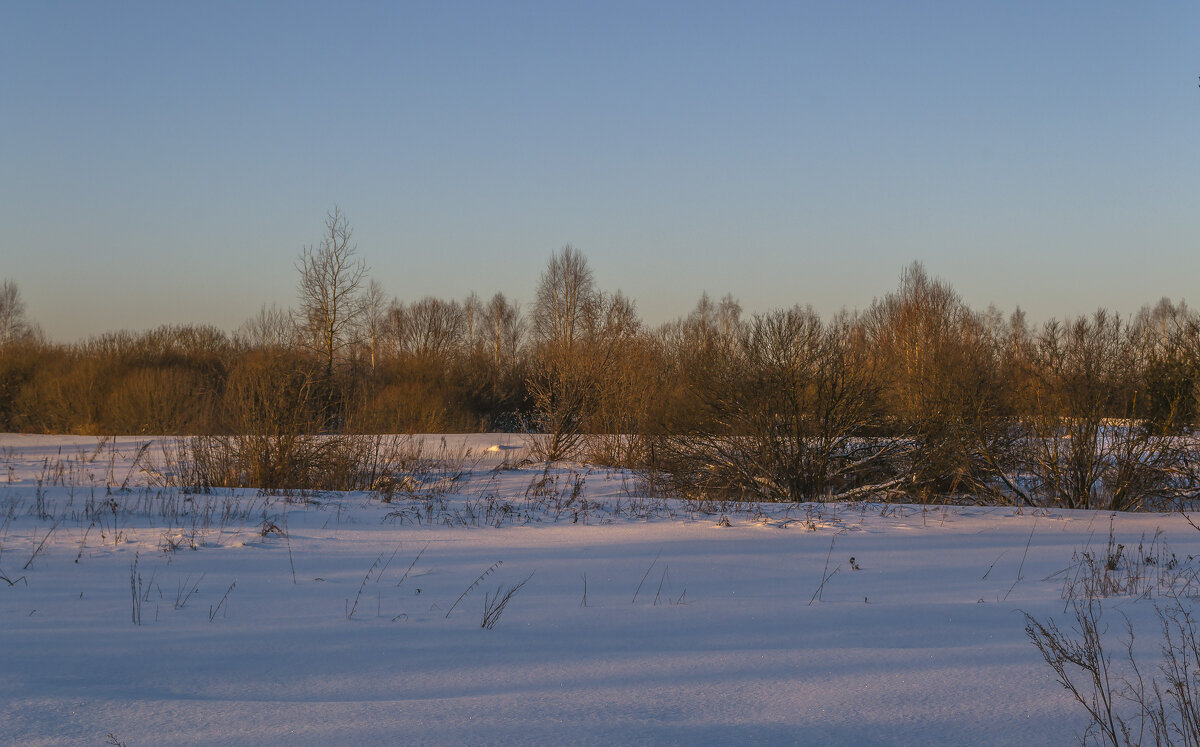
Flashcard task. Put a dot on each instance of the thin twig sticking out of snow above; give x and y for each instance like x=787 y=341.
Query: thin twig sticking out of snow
x=1020 y=578
x=825 y=574
x=645 y=576
x=474 y=583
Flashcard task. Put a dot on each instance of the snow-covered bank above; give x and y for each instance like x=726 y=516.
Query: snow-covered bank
x=334 y=626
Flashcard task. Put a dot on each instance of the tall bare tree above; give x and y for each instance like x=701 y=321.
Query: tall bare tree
x=504 y=330
x=927 y=339
x=12 y=313
x=374 y=310
x=330 y=289
x=566 y=309
x=566 y=296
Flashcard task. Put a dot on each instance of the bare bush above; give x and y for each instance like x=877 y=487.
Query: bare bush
x=1084 y=442
x=289 y=462
x=785 y=408
x=273 y=440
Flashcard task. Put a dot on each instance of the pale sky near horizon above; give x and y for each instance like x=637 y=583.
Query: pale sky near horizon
x=166 y=162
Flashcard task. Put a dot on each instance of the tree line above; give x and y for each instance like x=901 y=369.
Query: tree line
x=918 y=396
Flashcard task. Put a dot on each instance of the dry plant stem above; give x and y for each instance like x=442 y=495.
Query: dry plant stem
x=1086 y=654
x=4 y=529
x=135 y=588
x=4 y=534
x=186 y=590
x=993 y=565
x=83 y=541
x=40 y=546
x=494 y=605
x=1022 y=565
x=1181 y=653
x=389 y=562
x=825 y=574
x=141 y=452
x=474 y=583
x=644 y=576
x=287 y=537
x=661 y=581
x=212 y=611
x=351 y=608
x=1124 y=705
x=412 y=565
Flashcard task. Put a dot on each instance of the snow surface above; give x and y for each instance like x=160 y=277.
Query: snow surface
x=723 y=644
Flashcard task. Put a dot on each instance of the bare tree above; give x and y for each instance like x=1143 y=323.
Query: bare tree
x=504 y=330
x=566 y=308
x=495 y=370
x=474 y=331
x=621 y=366
x=12 y=313
x=930 y=345
x=435 y=329
x=394 y=330
x=374 y=310
x=1167 y=343
x=577 y=380
x=271 y=327
x=331 y=281
x=566 y=295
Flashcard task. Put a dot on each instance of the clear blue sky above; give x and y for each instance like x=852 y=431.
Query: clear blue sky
x=165 y=162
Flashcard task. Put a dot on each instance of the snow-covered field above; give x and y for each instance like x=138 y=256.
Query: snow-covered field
x=355 y=621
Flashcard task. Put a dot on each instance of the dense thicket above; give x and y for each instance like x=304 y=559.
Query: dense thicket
x=918 y=396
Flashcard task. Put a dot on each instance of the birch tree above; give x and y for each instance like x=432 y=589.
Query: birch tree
x=330 y=289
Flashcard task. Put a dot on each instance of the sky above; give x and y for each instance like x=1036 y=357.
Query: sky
x=166 y=163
